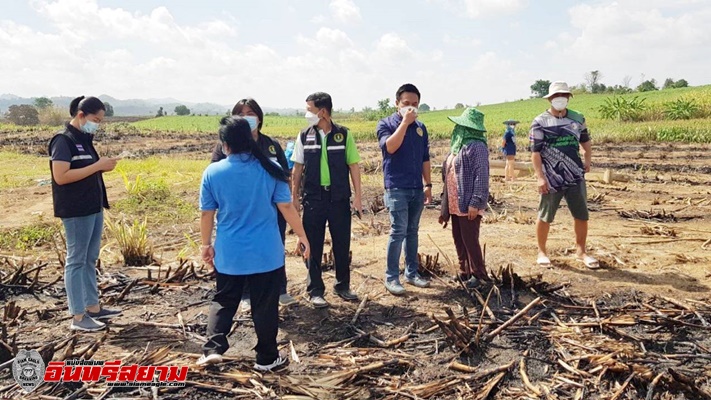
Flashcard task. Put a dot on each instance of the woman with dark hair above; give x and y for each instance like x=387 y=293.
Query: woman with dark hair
x=245 y=190
x=79 y=197
x=249 y=109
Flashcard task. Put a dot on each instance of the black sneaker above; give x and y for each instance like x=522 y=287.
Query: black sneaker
x=347 y=295
x=104 y=313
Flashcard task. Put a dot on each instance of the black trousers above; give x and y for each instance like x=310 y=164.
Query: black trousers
x=338 y=216
x=282 y=279
x=265 y=312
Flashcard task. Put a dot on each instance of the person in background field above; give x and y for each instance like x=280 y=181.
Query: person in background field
x=245 y=190
x=79 y=197
x=250 y=110
x=558 y=136
x=324 y=155
x=405 y=146
x=465 y=174
x=509 y=149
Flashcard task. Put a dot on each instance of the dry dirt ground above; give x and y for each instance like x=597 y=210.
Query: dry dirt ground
x=643 y=260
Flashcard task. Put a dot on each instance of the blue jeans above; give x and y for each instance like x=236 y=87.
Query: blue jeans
x=405 y=207
x=83 y=245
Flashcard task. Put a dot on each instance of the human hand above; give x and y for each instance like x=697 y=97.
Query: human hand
x=410 y=115
x=542 y=186
x=358 y=205
x=208 y=254
x=106 y=164
x=472 y=213
x=428 y=195
x=443 y=221
x=302 y=247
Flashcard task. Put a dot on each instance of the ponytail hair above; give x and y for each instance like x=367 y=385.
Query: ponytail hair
x=87 y=105
x=236 y=133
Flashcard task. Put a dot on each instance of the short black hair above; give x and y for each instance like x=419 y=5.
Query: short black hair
x=251 y=103
x=321 y=100
x=87 y=105
x=407 y=88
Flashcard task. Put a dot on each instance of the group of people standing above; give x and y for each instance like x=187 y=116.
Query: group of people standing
x=249 y=193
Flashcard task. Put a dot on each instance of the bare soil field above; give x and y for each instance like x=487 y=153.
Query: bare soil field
x=636 y=328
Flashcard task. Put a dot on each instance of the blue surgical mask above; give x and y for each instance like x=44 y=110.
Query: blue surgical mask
x=253 y=122
x=90 y=127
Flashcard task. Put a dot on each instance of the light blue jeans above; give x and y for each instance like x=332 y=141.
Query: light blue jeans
x=83 y=244
x=405 y=207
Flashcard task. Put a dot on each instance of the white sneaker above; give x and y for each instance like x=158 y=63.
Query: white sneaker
x=280 y=361
x=318 y=302
x=286 y=300
x=209 y=359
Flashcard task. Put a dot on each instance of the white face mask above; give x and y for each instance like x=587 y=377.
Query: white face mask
x=559 y=103
x=311 y=118
x=404 y=110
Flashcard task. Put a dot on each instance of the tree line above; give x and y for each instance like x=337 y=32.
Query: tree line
x=593 y=84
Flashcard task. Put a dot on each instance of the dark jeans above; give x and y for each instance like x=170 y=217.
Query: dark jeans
x=338 y=215
x=265 y=312
x=282 y=283
x=466 y=240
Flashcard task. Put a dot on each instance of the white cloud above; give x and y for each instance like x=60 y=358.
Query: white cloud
x=620 y=38
x=345 y=11
x=82 y=47
x=460 y=41
x=483 y=8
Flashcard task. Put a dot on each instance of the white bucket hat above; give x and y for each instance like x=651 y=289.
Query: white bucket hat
x=557 y=87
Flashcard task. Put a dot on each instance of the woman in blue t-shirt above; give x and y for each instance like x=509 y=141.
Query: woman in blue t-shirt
x=509 y=149
x=245 y=190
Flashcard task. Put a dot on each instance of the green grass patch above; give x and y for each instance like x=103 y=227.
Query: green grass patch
x=439 y=126
x=19 y=170
x=161 y=189
x=28 y=237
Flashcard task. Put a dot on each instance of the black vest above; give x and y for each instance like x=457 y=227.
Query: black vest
x=338 y=168
x=84 y=197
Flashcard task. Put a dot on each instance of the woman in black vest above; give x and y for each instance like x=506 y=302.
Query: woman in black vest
x=79 y=198
x=250 y=110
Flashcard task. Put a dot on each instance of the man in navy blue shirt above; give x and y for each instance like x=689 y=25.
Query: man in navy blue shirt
x=406 y=167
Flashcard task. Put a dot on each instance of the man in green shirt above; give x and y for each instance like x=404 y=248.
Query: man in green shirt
x=325 y=155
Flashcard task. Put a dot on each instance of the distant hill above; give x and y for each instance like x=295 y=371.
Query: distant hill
x=136 y=107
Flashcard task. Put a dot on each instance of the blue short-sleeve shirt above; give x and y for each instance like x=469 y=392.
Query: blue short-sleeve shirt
x=245 y=197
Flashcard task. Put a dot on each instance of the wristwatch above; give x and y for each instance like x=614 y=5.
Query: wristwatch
x=429 y=185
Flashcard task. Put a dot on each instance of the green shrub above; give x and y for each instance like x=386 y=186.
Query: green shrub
x=132 y=240
x=623 y=109
x=145 y=191
x=681 y=108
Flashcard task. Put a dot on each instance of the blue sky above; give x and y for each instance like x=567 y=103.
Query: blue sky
x=279 y=51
